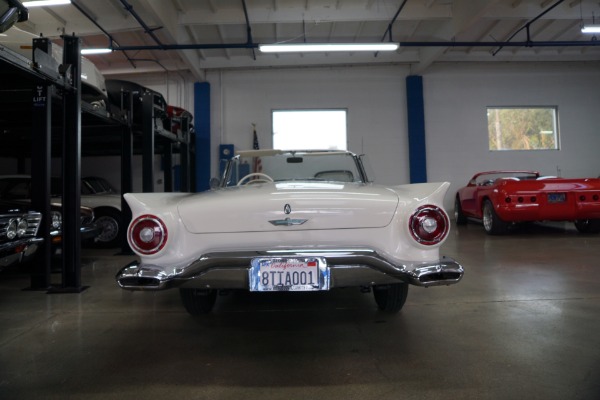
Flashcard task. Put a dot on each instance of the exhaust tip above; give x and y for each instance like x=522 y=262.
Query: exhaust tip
x=139 y=282
x=440 y=277
x=446 y=272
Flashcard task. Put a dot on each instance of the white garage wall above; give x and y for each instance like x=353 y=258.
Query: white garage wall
x=456 y=97
x=374 y=97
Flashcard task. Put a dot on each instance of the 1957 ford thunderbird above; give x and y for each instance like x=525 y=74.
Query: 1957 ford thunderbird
x=290 y=221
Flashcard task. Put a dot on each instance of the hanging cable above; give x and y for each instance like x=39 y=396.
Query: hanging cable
x=527 y=25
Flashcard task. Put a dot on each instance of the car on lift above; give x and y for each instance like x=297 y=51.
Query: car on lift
x=19 y=239
x=502 y=199
x=17 y=189
x=11 y=12
x=286 y=221
x=97 y=194
x=93 y=87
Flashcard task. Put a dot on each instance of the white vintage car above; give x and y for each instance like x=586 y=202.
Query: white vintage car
x=290 y=221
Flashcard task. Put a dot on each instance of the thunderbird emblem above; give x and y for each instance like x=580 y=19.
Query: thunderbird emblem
x=288 y=221
x=287 y=209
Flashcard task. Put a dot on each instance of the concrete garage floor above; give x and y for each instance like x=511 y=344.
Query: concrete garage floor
x=523 y=324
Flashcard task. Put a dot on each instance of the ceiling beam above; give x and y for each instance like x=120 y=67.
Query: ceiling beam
x=290 y=14
x=464 y=14
x=175 y=33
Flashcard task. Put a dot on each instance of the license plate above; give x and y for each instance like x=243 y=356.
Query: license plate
x=293 y=274
x=557 y=197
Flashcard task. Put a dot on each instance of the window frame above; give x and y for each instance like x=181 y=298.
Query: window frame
x=555 y=127
x=294 y=110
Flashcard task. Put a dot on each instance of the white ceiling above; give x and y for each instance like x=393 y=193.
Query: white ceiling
x=223 y=22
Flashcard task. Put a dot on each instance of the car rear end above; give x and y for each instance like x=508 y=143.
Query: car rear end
x=548 y=199
x=362 y=235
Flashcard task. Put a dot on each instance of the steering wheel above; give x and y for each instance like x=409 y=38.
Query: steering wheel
x=261 y=178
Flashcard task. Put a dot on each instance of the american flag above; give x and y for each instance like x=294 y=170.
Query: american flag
x=256 y=162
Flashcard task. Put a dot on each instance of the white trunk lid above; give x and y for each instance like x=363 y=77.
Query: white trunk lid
x=262 y=207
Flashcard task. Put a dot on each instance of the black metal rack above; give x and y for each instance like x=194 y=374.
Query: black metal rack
x=154 y=131
x=42 y=116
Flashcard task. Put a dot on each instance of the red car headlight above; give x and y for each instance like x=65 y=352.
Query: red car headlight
x=147 y=234
x=429 y=225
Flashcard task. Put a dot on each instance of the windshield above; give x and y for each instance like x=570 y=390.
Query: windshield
x=285 y=166
x=96 y=185
x=491 y=177
x=15 y=188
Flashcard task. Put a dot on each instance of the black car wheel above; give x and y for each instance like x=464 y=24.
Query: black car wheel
x=390 y=298
x=198 y=301
x=492 y=223
x=588 y=225
x=111 y=224
x=459 y=216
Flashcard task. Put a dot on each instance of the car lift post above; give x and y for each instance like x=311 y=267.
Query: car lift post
x=40 y=168
x=71 y=170
x=126 y=163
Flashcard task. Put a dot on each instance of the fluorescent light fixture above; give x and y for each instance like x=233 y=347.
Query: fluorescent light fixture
x=326 y=47
x=594 y=28
x=96 y=51
x=45 y=3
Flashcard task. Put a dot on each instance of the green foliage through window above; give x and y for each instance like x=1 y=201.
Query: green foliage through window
x=512 y=128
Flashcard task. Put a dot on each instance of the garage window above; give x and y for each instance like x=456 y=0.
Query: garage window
x=309 y=129
x=523 y=128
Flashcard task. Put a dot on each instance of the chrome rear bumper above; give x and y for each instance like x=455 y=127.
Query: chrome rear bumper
x=353 y=267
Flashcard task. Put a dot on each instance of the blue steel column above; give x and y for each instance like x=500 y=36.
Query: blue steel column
x=416 y=129
x=184 y=170
x=202 y=134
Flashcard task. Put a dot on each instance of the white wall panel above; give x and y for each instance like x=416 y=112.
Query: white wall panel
x=374 y=97
x=456 y=97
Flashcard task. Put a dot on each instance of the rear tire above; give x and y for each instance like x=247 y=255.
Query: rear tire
x=198 y=301
x=390 y=298
x=111 y=224
x=459 y=216
x=492 y=223
x=588 y=225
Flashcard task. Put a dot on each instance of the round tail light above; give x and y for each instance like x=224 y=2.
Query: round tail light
x=147 y=234
x=429 y=225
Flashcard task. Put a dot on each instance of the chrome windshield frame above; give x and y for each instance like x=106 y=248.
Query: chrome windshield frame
x=227 y=172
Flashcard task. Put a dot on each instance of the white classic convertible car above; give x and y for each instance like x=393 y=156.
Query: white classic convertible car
x=290 y=221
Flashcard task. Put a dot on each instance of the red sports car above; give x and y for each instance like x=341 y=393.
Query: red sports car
x=503 y=198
